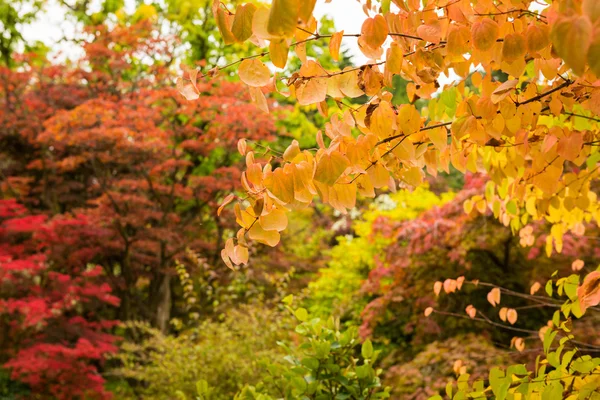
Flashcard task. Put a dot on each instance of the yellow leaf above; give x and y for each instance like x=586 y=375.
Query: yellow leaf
x=577 y=265
x=484 y=33
x=345 y=195
x=394 y=58
x=571 y=36
x=260 y=20
x=330 y=167
x=471 y=311
x=306 y=9
x=283 y=17
x=334 y=45
x=242 y=22
x=374 y=31
x=278 y=49
x=409 y=119
x=379 y=175
x=349 y=83
x=281 y=185
x=511 y=316
x=254 y=73
x=226 y=259
x=428 y=311
x=437 y=288
x=413 y=176
x=292 y=151
x=383 y=120
x=439 y=137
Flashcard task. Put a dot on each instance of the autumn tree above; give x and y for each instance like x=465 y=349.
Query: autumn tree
x=143 y=164
x=54 y=331
x=523 y=110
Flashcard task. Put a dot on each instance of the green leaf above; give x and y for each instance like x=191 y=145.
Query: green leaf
x=301 y=314
x=549 y=288
x=592 y=160
x=548 y=339
x=367 y=349
x=385 y=6
x=288 y=299
x=511 y=207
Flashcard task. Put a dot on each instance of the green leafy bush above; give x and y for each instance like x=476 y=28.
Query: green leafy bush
x=325 y=365
x=225 y=354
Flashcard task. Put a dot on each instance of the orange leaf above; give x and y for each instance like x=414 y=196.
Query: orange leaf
x=374 y=31
x=276 y=220
x=254 y=73
x=503 y=90
x=484 y=33
x=537 y=37
x=334 y=45
x=225 y=202
x=330 y=167
x=471 y=311
x=278 y=49
x=494 y=296
x=589 y=292
x=577 y=265
x=514 y=47
x=458 y=40
x=571 y=36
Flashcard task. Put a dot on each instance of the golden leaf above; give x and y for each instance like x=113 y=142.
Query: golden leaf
x=484 y=33
x=334 y=45
x=374 y=31
x=571 y=37
x=330 y=167
x=242 y=22
x=283 y=17
x=254 y=73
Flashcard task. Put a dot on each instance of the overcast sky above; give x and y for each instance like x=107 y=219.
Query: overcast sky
x=52 y=25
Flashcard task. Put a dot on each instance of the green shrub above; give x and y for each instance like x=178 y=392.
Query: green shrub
x=225 y=354
x=326 y=364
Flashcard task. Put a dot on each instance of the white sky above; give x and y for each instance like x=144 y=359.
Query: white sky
x=52 y=25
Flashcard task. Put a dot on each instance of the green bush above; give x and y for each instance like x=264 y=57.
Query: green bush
x=326 y=364
x=225 y=354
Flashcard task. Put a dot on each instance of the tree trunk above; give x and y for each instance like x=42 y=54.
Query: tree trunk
x=163 y=304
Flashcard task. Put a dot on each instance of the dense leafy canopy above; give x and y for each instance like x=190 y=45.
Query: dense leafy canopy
x=535 y=133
